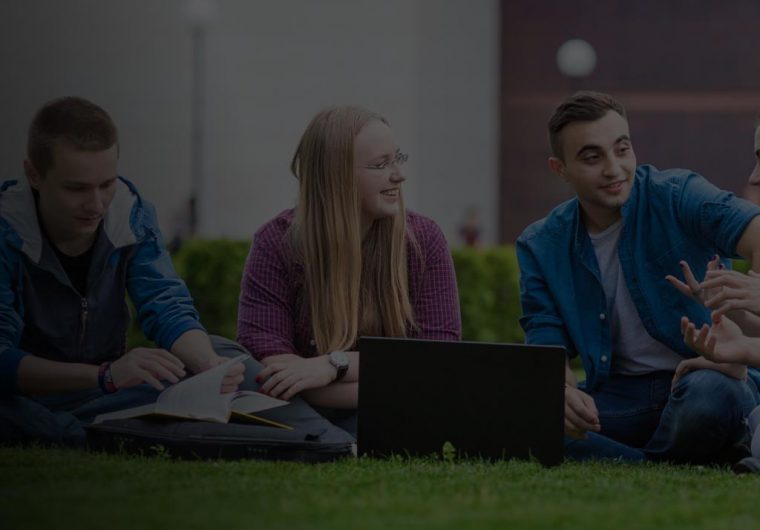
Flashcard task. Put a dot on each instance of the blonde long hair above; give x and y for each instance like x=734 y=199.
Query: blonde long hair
x=355 y=287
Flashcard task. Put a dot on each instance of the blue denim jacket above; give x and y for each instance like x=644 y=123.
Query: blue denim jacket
x=670 y=216
x=42 y=313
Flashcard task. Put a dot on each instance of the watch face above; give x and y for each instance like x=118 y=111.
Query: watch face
x=339 y=359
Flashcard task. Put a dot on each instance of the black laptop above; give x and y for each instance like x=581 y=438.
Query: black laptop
x=490 y=401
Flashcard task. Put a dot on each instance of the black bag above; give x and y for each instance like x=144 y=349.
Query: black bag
x=231 y=441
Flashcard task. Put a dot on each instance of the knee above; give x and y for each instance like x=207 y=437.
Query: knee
x=707 y=396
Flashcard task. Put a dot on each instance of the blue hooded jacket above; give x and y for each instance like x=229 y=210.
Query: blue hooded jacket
x=41 y=313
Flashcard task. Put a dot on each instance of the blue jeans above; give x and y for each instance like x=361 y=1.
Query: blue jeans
x=696 y=422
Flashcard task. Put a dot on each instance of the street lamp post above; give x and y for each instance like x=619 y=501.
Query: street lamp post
x=199 y=14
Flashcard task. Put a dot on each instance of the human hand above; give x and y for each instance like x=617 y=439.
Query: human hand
x=691 y=287
x=735 y=371
x=285 y=377
x=233 y=377
x=146 y=365
x=732 y=290
x=581 y=414
x=723 y=342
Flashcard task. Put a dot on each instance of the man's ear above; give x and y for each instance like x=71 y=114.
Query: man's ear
x=557 y=166
x=31 y=174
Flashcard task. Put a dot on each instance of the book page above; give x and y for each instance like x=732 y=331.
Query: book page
x=199 y=397
x=247 y=402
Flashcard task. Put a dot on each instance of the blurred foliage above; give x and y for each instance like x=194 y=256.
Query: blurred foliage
x=487 y=278
x=741 y=265
x=489 y=294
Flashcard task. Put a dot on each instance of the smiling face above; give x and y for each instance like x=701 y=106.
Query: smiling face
x=74 y=194
x=378 y=176
x=599 y=163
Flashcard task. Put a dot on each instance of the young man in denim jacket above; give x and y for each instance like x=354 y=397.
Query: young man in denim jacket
x=593 y=279
x=74 y=238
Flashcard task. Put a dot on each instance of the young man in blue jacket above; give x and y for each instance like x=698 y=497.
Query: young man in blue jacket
x=74 y=239
x=593 y=279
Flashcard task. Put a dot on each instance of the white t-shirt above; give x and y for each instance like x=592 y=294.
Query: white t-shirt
x=634 y=351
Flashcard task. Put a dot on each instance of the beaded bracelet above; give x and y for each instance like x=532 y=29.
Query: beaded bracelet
x=105 y=379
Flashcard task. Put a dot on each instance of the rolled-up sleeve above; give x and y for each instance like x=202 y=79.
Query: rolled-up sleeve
x=716 y=215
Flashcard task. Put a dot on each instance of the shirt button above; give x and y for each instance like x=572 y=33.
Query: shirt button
x=604 y=358
x=312 y=342
x=602 y=316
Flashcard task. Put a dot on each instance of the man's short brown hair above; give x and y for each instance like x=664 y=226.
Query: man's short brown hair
x=581 y=106
x=72 y=120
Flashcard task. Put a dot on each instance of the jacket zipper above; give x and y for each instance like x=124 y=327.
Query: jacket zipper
x=83 y=321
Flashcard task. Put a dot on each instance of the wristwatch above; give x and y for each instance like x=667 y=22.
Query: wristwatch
x=340 y=360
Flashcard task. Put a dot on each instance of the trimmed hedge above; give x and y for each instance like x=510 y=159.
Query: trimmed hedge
x=488 y=281
x=489 y=293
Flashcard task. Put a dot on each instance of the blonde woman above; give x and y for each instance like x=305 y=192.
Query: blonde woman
x=349 y=260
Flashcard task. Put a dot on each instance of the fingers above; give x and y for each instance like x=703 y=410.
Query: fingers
x=691 y=281
x=168 y=357
x=147 y=365
x=293 y=390
x=725 y=293
x=151 y=380
x=580 y=411
x=688 y=329
x=684 y=326
x=572 y=432
x=678 y=284
x=724 y=277
x=283 y=385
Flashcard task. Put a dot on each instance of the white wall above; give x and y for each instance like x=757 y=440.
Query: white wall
x=432 y=67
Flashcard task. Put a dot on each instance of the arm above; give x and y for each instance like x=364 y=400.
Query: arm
x=748 y=246
x=543 y=325
x=164 y=307
x=266 y=327
x=24 y=372
x=166 y=311
x=266 y=311
x=729 y=224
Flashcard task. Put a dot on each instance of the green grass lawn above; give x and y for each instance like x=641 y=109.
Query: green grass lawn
x=61 y=489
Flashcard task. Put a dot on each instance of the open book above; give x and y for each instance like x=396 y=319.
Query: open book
x=199 y=398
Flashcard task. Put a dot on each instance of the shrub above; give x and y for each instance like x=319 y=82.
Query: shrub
x=489 y=294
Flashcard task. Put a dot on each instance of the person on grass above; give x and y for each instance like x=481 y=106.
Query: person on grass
x=593 y=280
x=348 y=260
x=74 y=238
x=733 y=335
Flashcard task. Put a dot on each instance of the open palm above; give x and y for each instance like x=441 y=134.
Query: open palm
x=723 y=342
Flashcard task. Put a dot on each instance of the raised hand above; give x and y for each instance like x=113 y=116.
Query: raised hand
x=723 y=342
x=732 y=290
x=691 y=287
